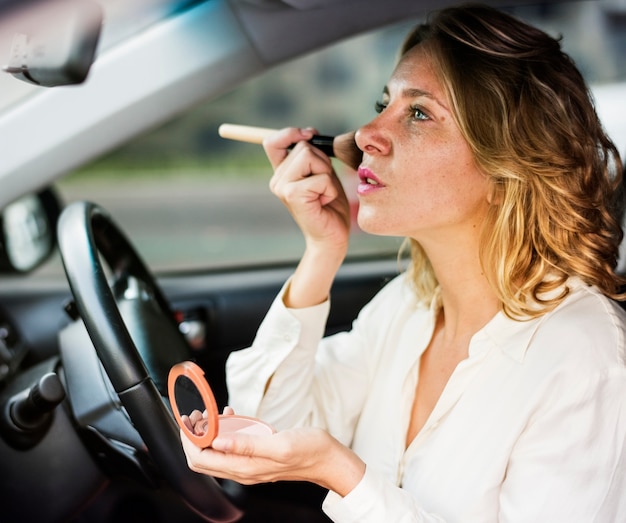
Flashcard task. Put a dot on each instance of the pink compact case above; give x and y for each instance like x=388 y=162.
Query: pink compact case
x=195 y=409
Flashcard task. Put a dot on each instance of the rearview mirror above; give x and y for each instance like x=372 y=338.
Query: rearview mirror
x=55 y=43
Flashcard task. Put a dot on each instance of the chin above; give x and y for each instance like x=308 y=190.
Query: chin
x=370 y=223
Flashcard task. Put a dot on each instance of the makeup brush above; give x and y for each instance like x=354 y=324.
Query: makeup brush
x=342 y=147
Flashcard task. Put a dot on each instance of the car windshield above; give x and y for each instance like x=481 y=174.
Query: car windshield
x=191 y=200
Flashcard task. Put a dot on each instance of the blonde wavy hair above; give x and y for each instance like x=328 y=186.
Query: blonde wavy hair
x=527 y=114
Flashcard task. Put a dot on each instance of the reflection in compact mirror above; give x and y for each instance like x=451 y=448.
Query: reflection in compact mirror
x=191 y=405
x=198 y=423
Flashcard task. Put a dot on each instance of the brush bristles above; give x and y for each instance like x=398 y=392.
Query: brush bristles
x=346 y=150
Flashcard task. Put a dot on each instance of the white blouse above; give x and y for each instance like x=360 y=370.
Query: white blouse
x=531 y=427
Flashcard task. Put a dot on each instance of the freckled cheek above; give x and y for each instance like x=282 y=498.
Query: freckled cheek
x=438 y=174
x=456 y=194
x=441 y=194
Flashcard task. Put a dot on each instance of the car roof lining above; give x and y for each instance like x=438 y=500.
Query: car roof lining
x=281 y=29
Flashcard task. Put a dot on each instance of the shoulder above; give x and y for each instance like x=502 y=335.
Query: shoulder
x=576 y=365
x=587 y=327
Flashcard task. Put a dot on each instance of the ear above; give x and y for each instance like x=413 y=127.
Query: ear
x=495 y=195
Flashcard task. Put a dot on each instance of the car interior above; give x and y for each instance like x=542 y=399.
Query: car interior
x=91 y=318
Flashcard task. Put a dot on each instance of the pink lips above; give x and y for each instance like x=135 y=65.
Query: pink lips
x=369 y=182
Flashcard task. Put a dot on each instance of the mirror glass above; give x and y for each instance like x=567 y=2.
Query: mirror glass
x=191 y=405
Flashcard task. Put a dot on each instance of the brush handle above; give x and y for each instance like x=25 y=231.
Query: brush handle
x=251 y=134
x=324 y=143
x=244 y=133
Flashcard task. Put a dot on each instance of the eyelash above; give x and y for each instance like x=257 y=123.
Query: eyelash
x=413 y=110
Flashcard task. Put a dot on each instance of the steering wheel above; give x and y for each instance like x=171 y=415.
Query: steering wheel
x=86 y=235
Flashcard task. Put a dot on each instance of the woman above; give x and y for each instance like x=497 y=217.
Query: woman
x=488 y=383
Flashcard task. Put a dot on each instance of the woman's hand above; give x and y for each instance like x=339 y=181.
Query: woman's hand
x=305 y=181
x=291 y=455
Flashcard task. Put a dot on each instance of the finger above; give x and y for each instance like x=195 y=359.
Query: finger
x=244 y=469
x=195 y=417
x=188 y=446
x=191 y=450
x=268 y=447
x=303 y=162
x=277 y=145
x=228 y=411
x=187 y=422
x=320 y=190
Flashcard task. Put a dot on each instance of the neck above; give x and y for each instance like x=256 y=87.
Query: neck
x=468 y=301
x=465 y=310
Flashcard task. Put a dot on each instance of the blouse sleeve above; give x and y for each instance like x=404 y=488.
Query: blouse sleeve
x=292 y=376
x=374 y=500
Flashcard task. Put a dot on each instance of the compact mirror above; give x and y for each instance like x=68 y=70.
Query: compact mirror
x=195 y=409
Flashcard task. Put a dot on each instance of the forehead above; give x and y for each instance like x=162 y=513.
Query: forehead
x=416 y=75
x=416 y=70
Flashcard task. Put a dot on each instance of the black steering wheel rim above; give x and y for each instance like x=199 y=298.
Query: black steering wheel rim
x=86 y=231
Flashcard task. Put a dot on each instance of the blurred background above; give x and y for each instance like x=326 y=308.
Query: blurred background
x=335 y=89
x=191 y=200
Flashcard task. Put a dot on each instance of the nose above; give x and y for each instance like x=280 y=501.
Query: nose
x=372 y=138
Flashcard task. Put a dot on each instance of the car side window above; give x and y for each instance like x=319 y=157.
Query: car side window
x=191 y=200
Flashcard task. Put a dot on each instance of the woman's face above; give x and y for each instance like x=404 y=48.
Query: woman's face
x=418 y=177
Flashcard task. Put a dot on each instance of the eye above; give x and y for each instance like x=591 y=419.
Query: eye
x=418 y=114
x=379 y=107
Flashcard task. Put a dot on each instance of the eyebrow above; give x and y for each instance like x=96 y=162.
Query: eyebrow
x=414 y=92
